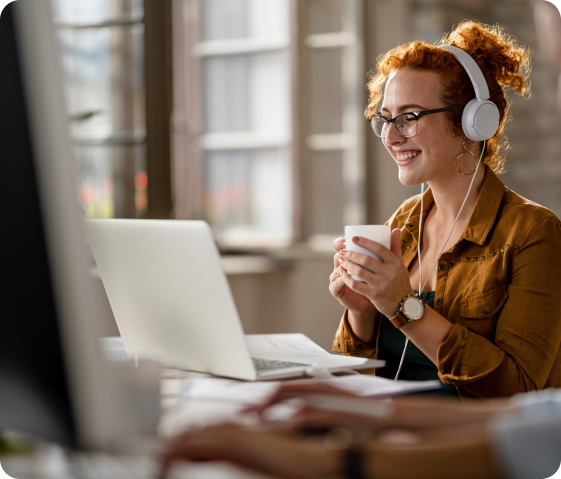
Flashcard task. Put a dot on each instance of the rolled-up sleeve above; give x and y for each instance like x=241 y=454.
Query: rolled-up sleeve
x=528 y=329
x=347 y=343
x=527 y=443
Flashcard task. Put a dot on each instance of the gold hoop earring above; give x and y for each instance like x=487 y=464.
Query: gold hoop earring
x=467 y=150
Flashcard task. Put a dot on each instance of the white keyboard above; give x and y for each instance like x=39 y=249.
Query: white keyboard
x=264 y=364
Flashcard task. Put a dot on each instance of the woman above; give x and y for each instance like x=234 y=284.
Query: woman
x=491 y=326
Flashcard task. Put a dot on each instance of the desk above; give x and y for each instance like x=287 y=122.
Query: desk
x=49 y=461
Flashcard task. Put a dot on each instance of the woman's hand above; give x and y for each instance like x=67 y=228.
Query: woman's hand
x=387 y=282
x=308 y=417
x=290 y=390
x=349 y=298
x=281 y=455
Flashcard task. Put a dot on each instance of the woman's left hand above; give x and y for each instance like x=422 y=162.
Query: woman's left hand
x=387 y=282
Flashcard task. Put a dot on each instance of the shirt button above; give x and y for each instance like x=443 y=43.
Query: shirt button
x=502 y=251
x=402 y=241
x=517 y=246
x=451 y=264
x=467 y=259
x=493 y=253
x=411 y=225
x=459 y=261
x=408 y=246
x=439 y=301
x=359 y=346
x=475 y=259
x=486 y=310
x=338 y=345
x=482 y=258
x=442 y=267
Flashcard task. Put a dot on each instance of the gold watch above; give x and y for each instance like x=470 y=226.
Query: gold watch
x=410 y=309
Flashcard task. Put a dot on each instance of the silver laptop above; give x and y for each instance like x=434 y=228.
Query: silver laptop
x=171 y=299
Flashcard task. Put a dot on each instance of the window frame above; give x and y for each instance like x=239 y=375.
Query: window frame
x=189 y=144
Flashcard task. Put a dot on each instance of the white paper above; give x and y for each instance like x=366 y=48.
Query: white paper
x=249 y=393
x=266 y=343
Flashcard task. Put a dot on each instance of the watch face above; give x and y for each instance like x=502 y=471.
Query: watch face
x=413 y=308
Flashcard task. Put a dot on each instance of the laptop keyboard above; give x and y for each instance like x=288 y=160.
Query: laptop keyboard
x=263 y=364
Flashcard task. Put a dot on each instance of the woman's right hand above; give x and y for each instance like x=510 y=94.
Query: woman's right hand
x=353 y=301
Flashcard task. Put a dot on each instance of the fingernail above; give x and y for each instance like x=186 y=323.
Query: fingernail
x=355 y=239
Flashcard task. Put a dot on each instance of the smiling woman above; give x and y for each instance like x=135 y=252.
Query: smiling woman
x=489 y=325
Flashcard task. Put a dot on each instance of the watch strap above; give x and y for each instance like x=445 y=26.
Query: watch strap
x=399 y=320
x=353 y=463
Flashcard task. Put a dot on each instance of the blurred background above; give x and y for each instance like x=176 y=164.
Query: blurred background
x=249 y=114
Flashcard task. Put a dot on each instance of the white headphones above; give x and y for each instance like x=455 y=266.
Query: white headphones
x=480 y=119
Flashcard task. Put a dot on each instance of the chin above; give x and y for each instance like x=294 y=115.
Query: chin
x=408 y=179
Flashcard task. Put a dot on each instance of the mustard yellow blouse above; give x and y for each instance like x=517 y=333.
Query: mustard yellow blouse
x=499 y=286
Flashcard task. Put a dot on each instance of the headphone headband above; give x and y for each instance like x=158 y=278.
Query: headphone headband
x=472 y=69
x=481 y=117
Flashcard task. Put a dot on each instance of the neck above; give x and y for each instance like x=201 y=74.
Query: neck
x=450 y=194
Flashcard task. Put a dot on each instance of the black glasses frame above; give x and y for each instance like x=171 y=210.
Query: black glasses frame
x=416 y=115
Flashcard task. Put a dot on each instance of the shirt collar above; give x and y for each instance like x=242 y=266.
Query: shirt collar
x=482 y=218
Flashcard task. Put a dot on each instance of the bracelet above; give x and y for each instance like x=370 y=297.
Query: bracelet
x=353 y=465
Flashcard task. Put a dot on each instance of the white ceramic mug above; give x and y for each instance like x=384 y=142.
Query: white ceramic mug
x=379 y=233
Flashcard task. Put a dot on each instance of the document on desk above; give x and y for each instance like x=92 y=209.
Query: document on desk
x=231 y=391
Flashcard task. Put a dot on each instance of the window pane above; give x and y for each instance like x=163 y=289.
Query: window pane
x=247 y=93
x=230 y=19
x=112 y=181
x=89 y=11
x=247 y=195
x=104 y=79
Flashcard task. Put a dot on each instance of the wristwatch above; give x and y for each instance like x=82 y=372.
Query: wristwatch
x=410 y=309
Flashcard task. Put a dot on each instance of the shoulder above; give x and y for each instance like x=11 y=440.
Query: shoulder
x=520 y=213
x=517 y=206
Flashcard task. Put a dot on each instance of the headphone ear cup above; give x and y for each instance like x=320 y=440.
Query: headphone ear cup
x=480 y=120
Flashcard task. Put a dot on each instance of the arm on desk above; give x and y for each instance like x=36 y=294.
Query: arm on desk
x=298 y=457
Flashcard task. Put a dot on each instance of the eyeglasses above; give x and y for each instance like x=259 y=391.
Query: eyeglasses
x=405 y=123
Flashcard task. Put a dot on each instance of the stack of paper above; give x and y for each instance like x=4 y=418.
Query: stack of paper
x=255 y=392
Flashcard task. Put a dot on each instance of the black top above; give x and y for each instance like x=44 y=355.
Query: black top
x=416 y=366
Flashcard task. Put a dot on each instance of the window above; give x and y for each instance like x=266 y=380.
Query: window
x=268 y=129
x=102 y=47
x=239 y=117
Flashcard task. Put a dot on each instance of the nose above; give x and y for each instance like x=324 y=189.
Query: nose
x=393 y=137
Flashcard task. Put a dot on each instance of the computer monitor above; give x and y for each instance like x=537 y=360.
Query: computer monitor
x=54 y=383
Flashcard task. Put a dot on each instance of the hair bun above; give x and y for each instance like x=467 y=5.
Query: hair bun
x=500 y=56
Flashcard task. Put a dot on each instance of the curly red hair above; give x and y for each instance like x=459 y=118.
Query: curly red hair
x=505 y=63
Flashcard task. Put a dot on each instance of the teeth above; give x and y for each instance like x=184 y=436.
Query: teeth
x=406 y=156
